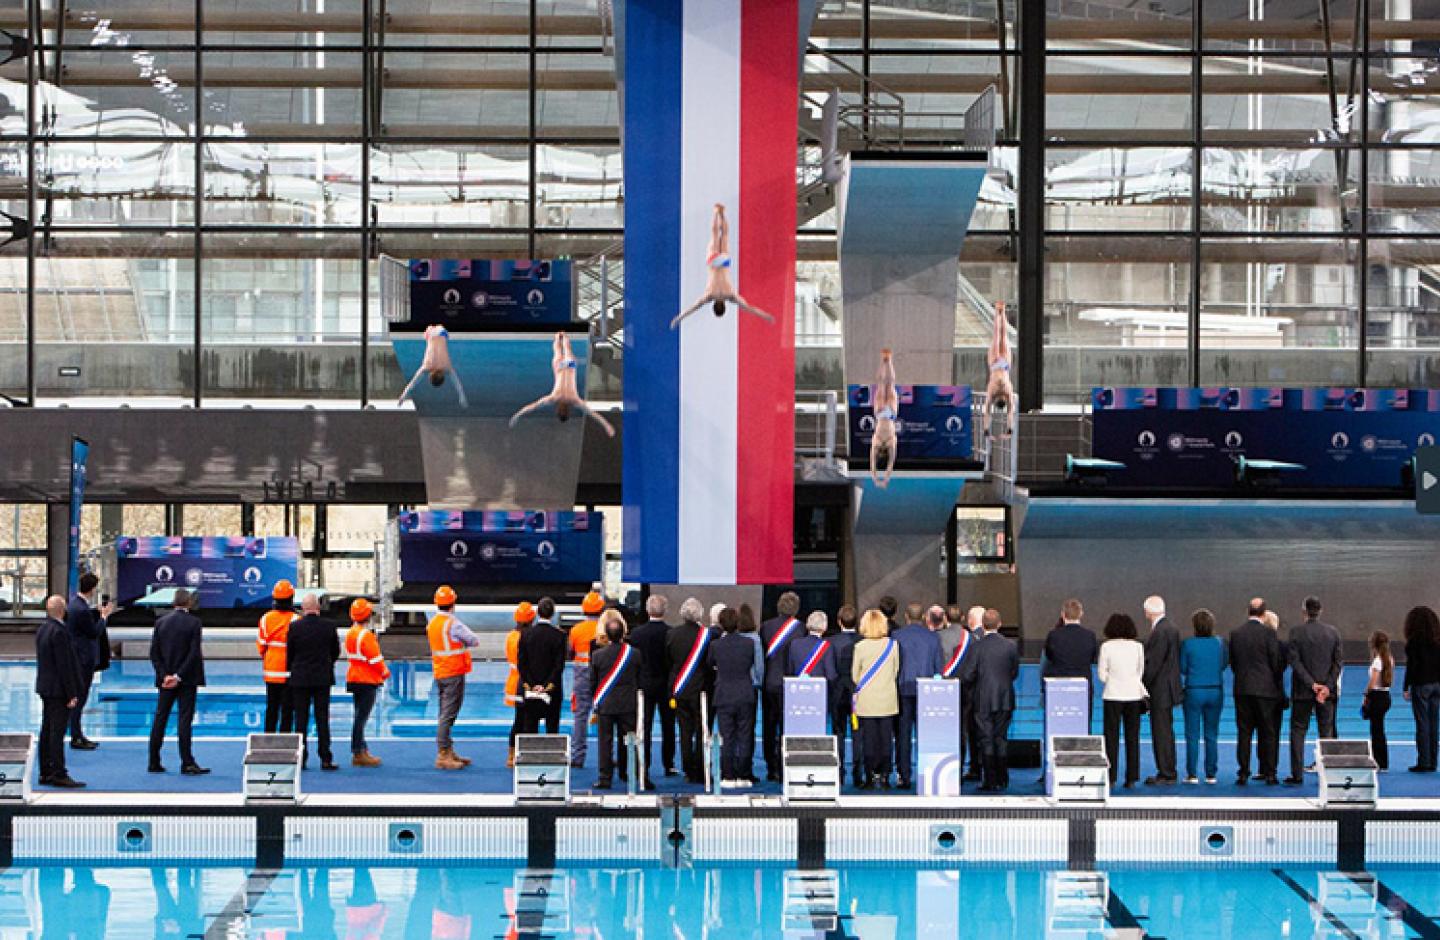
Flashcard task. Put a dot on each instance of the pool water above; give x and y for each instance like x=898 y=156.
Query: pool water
x=729 y=903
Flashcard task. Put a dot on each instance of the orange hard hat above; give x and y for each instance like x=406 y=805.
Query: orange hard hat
x=360 y=609
x=524 y=612
x=283 y=591
x=445 y=596
x=593 y=603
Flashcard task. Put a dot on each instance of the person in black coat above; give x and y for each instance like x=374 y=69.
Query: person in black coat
x=616 y=687
x=1314 y=656
x=59 y=683
x=179 y=664
x=732 y=657
x=1070 y=648
x=843 y=639
x=311 y=651
x=776 y=635
x=540 y=660
x=86 y=624
x=687 y=651
x=649 y=639
x=1162 y=684
x=989 y=673
x=1259 y=668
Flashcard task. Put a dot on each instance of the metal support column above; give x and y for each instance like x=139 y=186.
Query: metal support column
x=199 y=202
x=1032 y=205
x=367 y=130
x=1197 y=163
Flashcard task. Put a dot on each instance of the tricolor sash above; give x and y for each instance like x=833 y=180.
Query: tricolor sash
x=954 y=664
x=869 y=677
x=691 y=663
x=781 y=635
x=607 y=683
x=814 y=659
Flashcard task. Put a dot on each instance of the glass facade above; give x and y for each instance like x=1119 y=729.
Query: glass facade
x=198 y=193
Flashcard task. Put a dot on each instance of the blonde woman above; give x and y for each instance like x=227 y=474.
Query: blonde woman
x=876 y=671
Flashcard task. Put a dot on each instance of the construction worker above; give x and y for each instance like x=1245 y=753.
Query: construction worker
x=367 y=673
x=450 y=645
x=524 y=616
x=274 y=634
x=582 y=641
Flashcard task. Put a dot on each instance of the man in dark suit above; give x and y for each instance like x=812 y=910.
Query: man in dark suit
x=615 y=683
x=179 y=673
x=1070 y=648
x=687 y=652
x=1162 y=684
x=58 y=682
x=920 y=658
x=889 y=606
x=540 y=660
x=649 y=639
x=843 y=640
x=86 y=625
x=776 y=635
x=990 y=670
x=1259 y=669
x=311 y=651
x=1314 y=654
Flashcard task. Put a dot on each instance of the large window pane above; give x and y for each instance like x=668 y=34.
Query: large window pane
x=1403 y=326
x=282 y=92
x=1116 y=313
x=1274 y=99
x=1117 y=189
x=1232 y=25
x=111 y=92
x=1405 y=99
x=1404 y=192
x=454 y=94
x=1077 y=24
x=578 y=187
x=1278 y=312
x=1279 y=190
x=439 y=184
x=250 y=183
x=1117 y=98
x=586 y=103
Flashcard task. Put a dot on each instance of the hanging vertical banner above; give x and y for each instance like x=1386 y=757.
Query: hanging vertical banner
x=79 y=454
x=805 y=707
x=937 y=725
x=1067 y=715
x=711 y=93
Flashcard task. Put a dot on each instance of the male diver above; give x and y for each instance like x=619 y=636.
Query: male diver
x=436 y=363
x=718 y=289
x=999 y=390
x=885 y=401
x=566 y=393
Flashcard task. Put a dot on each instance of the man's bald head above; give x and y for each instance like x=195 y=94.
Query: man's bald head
x=310 y=604
x=55 y=607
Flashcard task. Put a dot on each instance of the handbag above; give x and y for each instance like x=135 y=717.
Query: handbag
x=1365 y=707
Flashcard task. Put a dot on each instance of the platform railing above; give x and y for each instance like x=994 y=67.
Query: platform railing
x=817 y=423
x=394 y=289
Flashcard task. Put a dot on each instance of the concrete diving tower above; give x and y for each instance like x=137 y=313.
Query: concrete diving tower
x=903 y=220
x=473 y=458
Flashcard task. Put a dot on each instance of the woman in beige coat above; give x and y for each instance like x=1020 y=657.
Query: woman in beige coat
x=877 y=697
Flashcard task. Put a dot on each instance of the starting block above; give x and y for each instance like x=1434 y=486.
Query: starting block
x=17 y=759
x=1081 y=769
x=542 y=768
x=811 y=768
x=1348 y=773
x=272 y=767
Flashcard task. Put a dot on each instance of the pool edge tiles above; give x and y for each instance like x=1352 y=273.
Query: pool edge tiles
x=406 y=839
x=1216 y=841
x=1393 y=842
x=941 y=841
x=136 y=839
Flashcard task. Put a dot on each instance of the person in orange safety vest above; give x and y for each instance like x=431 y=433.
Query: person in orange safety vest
x=582 y=640
x=274 y=633
x=367 y=673
x=524 y=616
x=450 y=645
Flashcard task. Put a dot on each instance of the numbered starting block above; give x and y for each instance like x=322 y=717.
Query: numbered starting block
x=542 y=768
x=1348 y=773
x=272 y=767
x=1080 y=768
x=17 y=759
x=811 y=768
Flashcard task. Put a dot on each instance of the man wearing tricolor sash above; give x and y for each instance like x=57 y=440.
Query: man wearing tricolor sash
x=615 y=679
x=813 y=657
x=776 y=635
x=955 y=644
x=687 y=649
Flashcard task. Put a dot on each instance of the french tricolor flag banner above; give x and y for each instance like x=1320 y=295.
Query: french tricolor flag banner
x=710 y=103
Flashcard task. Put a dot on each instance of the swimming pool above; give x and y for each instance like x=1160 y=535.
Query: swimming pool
x=870 y=903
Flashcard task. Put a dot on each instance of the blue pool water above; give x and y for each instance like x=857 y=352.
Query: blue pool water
x=730 y=903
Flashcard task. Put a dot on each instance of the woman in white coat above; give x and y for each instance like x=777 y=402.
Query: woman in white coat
x=1121 y=666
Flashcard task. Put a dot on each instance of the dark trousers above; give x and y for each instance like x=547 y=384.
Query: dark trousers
x=304 y=699
x=77 y=712
x=1377 y=705
x=657 y=707
x=611 y=732
x=1300 y=711
x=1162 y=739
x=737 y=725
x=993 y=731
x=969 y=737
x=772 y=721
x=1126 y=715
x=279 y=709
x=1256 y=716
x=54 y=718
x=905 y=739
x=692 y=738
x=364 y=698
x=840 y=726
x=536 y=711
x=1425 y=702
x=164 y=701
x=517 y=723
x=878 y=741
